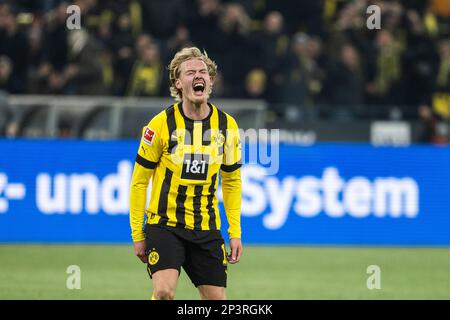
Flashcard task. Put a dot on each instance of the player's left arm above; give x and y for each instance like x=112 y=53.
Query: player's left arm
x=232 y=188
x=147 y=158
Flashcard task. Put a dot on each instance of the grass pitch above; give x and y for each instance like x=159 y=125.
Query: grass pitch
x=269 y=272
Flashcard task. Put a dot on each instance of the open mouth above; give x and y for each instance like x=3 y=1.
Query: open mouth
x=199 y=87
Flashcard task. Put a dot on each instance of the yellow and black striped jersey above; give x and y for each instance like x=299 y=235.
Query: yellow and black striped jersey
x=184 y=159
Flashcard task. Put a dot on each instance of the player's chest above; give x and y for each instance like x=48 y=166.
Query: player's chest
x=194 y=152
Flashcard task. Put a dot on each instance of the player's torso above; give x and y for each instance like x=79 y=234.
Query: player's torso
x=186 y=177
x=193 y=150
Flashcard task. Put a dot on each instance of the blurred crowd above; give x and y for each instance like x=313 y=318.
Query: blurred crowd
x=308 y=53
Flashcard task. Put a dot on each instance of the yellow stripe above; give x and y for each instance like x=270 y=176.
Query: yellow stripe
x=216 y=207
x=204 y=211
x=189 y=207
x=214 y=121
x=177 y=158
x=157 y=181
x=171 y=202
x=197 y=136
x=178 y=117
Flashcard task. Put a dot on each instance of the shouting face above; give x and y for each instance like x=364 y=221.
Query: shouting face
x=194 y=81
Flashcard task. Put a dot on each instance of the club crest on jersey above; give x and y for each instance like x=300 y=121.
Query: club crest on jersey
x=148 y=136
x=219 y=138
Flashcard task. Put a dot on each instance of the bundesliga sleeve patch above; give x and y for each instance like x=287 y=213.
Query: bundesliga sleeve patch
x=148 y=136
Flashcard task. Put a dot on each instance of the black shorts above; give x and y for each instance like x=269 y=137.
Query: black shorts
x=201 y=253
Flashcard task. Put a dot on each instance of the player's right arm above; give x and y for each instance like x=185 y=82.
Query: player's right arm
x=147 y=158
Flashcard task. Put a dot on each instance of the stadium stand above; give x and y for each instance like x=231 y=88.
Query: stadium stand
x=308 y=61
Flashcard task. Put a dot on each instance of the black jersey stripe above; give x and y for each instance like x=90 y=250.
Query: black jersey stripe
x=171 y=125
x=188 y=127
x=197 y=201
x=230 y=168
x=222 y=127
x=189 y=136
x=181 y=210
x=164 y=194
x=210 y=205
x=145 y=163
x=206 y=132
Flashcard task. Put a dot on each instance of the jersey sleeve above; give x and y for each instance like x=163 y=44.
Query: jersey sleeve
x=231 y=179
x=232 y=151
x=152 y=143
x=147 y=158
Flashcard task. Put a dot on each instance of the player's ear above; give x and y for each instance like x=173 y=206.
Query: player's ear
x=211 y=86
x=178 y=84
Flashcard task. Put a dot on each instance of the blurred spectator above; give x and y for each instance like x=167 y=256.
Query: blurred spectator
x=147 y=75
x=202 y=21
x=7 y=82
x=345 y=82
x=142 y=42
x=39 y=79
x=386 y=86
x=302 y=75
x=256 y=85
x=55 y=41
x=123 y=41
x=13 y=43
x=122 y=46
x=304 y=15
x=302 y=54
x=36 y=54
x=5 y=114
x=443 y=77
x=433 y=130
x=235 y=56
x=132 y=9
x=179 y=40
x=440 y=7
x=441 y=98
x=257 y=10
x=234 y=19
x=420 y=62
x=392 y=14
x=162 y=17
x=272 y=43
x=84 y=73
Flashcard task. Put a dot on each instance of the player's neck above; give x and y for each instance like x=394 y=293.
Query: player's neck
x=195 y=112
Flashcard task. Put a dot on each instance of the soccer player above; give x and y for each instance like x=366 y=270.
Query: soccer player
x=184 y=149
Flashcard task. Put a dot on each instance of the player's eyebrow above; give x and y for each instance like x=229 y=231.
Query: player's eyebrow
x=201 y=69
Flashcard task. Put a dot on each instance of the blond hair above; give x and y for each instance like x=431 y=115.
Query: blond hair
x=182 y=56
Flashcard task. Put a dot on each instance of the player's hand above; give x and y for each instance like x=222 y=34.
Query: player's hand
x=236 y=250
x=139 y=250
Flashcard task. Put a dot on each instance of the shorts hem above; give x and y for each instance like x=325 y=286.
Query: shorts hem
x=209 y=283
